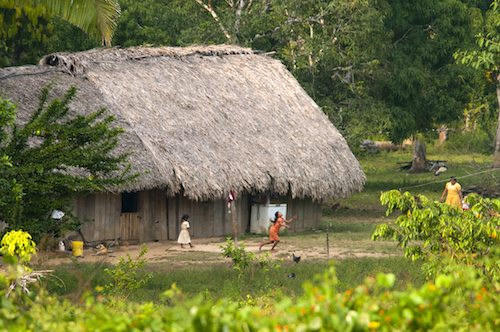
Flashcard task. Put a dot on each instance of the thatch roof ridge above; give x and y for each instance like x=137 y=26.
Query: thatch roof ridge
x=202 y=125
x=76 y=63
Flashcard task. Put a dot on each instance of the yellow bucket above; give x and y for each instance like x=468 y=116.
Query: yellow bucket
x=77 y=248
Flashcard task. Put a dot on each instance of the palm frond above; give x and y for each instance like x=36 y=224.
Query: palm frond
x=96 y=17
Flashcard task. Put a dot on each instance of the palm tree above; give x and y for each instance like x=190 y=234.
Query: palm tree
x=96 y=17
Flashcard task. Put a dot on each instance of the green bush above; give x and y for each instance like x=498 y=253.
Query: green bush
x=441 y=233
x=480 y=142
x=460 y=300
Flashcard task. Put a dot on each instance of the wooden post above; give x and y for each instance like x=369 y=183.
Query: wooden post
x=327 y=244
x=235 y=226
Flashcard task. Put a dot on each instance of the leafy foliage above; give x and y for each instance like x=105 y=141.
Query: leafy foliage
x=486 y=60
x=246 y=262
x=455 y=301
x=58 y=41
x=166 y=22
x=125 y=275
x=23 y=29
x=26 y=24
x=488 y=41
x=442 y=234
x=17 y=246
x=10 y=191
x=96 y=17
x=46 y=151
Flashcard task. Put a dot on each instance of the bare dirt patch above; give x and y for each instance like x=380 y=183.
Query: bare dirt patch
x=207 y=251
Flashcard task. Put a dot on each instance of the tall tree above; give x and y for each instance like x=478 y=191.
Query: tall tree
x=55 y=156
x=372 y=66
x=487 y=61
x=420 y=84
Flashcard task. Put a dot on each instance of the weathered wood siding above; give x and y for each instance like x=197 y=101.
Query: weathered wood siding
x=208 y=218
x=130 y=224
x=104 y=211
x=158 y=216
x=152 y=208
x=150 y=222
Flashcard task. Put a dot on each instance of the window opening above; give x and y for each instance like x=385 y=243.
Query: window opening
x=129 y=202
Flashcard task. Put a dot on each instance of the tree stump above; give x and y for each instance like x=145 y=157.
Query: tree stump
x=418 y=164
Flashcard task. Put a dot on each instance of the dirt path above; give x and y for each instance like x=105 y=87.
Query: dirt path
x=206 y=251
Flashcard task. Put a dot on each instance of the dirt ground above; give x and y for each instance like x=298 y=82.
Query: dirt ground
x=206 y=250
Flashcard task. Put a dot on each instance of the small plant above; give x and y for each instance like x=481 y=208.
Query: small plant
x=247 y=263
x=125 y=275
x=17 y=246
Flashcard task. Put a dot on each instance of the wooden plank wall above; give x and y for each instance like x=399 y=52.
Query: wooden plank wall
x=173 y=218
x=220 y=211
x=130 y=223
x=309 y=214
x=242 y=216
x=160 y=216
x=208 y=218
x=108 y=208
x=152 y=208
x=85 y=208
x=104 y=210
x=319 y=213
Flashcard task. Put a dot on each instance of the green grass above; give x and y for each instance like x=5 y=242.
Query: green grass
x=381 y=174
x=221 y=280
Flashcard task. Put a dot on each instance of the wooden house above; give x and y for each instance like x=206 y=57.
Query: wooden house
x=201 y=121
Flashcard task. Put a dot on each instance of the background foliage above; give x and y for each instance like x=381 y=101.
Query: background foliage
x=373 y=66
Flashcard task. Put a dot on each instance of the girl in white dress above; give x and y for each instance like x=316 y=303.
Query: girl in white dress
x=185 y=234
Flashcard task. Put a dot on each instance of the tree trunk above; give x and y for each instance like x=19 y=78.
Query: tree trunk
x=496 y=155
x=418 y=164
x=443 y=135
x=215 y=16
x=237 y=22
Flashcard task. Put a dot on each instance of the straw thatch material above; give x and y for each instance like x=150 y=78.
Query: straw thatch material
x=203 y=120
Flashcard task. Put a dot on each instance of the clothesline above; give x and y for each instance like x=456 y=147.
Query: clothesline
x=433 y=182
x=458 y=177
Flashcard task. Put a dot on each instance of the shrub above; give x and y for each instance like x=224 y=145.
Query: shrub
x=440 y=233
x=247 y=262
x=480 y=142
x=124 y=275
x=458 y=301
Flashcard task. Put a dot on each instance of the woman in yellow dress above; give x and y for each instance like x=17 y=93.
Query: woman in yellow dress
x=453 y=189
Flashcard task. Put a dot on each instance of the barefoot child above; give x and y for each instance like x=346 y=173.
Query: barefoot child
x=273 y=232
x=185 y=234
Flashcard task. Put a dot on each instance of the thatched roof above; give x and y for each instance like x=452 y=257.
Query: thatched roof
x=202 y=120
